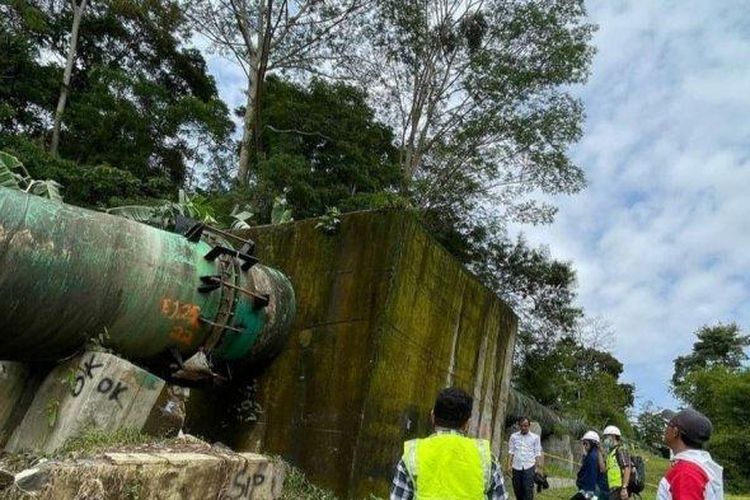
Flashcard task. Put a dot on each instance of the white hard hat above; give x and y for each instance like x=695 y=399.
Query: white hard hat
x=611 y=430
x=590 y=436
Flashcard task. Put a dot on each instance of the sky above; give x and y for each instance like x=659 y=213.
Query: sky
x=661 y=236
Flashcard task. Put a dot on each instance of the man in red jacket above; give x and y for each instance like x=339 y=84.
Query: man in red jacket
x=693 y=475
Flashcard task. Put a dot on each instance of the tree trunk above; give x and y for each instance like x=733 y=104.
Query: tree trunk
x=251 y=122
x=77 y=15
x=248 y=125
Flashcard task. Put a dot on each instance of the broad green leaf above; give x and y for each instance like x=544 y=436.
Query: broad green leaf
x=10 y=161
x=138 y=213
x=280 y=213
x=7 y=178
x=48 y=188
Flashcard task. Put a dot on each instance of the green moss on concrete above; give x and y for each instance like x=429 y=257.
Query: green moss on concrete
x=386 y=317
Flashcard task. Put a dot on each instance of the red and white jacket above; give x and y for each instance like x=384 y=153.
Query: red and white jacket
x=693 y=476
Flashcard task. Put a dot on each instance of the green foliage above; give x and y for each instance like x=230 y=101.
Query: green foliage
x=85 y=185
x=540 y=289
x=479 y=98
x=298 y=487
x=26 y=87
x=8 y=178
x=649 y=429
x=323 y=147
x=717 y=346
x=99 y=342
x=142 y=103
x=241 y=217
x=164 y=214
x=13 y=175
x=579 y=381
x=731 y=448
x=329 y=221
x=281 y=213
x=713 y=380
x=522 y=405
x=48 y=189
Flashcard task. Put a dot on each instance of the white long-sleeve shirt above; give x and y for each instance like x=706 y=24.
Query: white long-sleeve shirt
x=524 y=448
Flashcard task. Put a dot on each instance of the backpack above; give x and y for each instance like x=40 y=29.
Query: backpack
x=637 y=481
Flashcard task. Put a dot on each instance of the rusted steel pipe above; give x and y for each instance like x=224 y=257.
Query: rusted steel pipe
x=69 y=274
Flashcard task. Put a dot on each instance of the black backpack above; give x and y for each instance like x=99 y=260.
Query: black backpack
x=637 y=481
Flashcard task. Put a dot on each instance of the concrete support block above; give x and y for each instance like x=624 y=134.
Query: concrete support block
x=93 y=390
x=536 y=428
x=161 y=476
x=17 y=386
x=563 y=451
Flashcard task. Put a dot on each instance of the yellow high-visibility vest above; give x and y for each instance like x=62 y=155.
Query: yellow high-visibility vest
x=449 y=467
x=614 y=473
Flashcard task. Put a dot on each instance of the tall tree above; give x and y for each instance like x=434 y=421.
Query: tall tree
x=78 y=10
x=322 y=148
x=541 y=290
x=577 y=380
x=721 y=345
x=269 y=35
x=137 y=88
x=26 y=86
x=477 y=92
x=649 y=428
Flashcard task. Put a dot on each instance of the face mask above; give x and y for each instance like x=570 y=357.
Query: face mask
x=609 y=442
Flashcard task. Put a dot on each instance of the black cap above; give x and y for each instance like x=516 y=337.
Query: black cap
x=695 y=428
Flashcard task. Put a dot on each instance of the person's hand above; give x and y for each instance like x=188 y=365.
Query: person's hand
x=624 y=493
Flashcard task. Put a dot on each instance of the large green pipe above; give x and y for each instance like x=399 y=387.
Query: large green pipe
x=68 y=275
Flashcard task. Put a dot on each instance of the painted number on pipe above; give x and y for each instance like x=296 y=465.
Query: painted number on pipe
x=185 y=317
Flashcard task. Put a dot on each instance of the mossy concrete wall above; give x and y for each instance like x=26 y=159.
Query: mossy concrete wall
x=386 y=318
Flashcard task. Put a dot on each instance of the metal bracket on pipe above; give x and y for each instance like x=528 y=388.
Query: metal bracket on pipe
x=223 y=327
x=195 y=232
x=213 y=282
x=209 y=283
x=248 y=261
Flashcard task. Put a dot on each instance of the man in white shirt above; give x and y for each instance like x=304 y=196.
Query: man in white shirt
x=524 y=458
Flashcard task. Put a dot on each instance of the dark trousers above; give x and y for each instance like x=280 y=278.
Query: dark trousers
x=523 y=484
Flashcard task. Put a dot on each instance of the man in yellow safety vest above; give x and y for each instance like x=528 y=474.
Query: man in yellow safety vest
x=448 y=464
x=618 y=463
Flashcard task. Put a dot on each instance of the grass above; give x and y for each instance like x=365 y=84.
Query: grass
x=94 y=441
x=297 y=487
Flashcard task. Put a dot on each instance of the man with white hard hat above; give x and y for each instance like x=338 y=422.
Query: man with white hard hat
x=618 y=464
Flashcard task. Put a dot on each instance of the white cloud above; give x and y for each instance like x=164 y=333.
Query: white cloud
x=661 y=237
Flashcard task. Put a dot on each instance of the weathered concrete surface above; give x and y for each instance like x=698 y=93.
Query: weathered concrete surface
x=17 y=388
x=94 y=389
x=386 y=318
x=162 y=476
x=563 y=451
